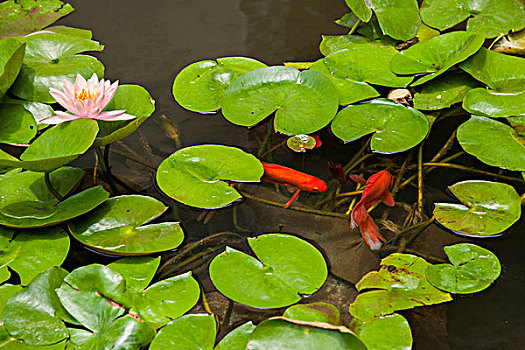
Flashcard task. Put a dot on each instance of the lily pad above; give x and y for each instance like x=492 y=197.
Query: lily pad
x=488 y=208
x=304 y=101
x=138 y=271
x=398 y=19
x=495 y=104
x=135 y=100
x=492 y=142
x=37 y=109
x=117 y=227
x=10 y=343
x=333 y=43
x=193 y=175
x=489 y=18
x=27 y=203
x=236 y=339
x=19 y=18
x=473 y=269
x=513 y=43
x=287 y=267
x=34 y=313
x=188 y=332
x=200 y=86
x=300 y=143
x=400 y=284
x=391 y=332
x=18 y=125
x=11 y=57
x=397 y=128
x=435 y=56
x=282 y=334
x=314 y=312
x=444 y=92
x=499 y=71
x=32 y=252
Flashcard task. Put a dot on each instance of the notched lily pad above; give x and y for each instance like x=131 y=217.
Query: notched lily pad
x=194 y=175
x=236 y=339
x=200 y=86
x=396 y=128
x=487 y=209
x=303 y=101
x=287 y=267
x=18 y=125
x=187 y=332
x=473 y=269
x=390 y=332
x=495 y=104
x=117 y=227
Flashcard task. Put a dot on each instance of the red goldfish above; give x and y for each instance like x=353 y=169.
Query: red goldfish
x=376 y=187
x=285 y=176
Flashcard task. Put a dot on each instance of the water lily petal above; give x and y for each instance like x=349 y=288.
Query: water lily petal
x=115 y=115
x=61 y=98
x=60 y=117
x=108 y=95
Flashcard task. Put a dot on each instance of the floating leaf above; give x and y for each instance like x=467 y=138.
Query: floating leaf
x=494 y=104
x=397 y=128
x=348 y=20
x=424 y=32
x=117 y=227
x=492 y=142
x=27 y=203
x=187 y=333
x=333 y=43
x=287 y=267
x=513 y=44
x=11 y=57
x=361 y=9
x=314 y=312
x=473 y=269
x=444 y=92
x=489 y=18
x=138 y=271
x=283 y=334
x=135 y=100
x=400 y=284
x=10 y=343
x=34 y=314
x=499 y=71
x=304 y=101
x=236 y=339
x=78 y=32
x=300 y=143
x=193 y=175
x=435 y=56
x=18 y=125
x=19 y=18
x=488 y=208
x=37 y=109
x=32 y=252
x=391 y=332
x=200 y=86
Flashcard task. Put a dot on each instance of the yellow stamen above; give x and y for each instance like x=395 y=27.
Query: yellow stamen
x=86 y=95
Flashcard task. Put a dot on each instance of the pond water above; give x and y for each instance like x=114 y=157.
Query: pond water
x=148 y=43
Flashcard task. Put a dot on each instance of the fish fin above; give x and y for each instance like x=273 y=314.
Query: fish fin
x=358 y=179
x=371 y=235
x=294 y=197
x=387 y=199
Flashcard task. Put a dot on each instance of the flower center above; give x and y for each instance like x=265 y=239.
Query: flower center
x=86 y=95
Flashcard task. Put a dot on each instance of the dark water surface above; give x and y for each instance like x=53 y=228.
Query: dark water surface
x=149 y=42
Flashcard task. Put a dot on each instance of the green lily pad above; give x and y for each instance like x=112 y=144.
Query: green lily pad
x=492 y=142
x=27 y=203
x=200 y=86
x=473 y=269
x=117 y=227
x=435 y=56
x=499 y=71
x=424 y=32
x=333 y=43
x=11 y=57
x=300 y=143
x=304 y=101
x=314 y=312
x=287 y=267
x=10 y=343
x=19 y=18
x=398 y=19
x=78 y=32
x=37 y=109
x=397 y=128
x=391 y=332
x=32 y=252
x=193 y=175
x=137 y=271
x=18 y=125
x=188 y=332
x=489 y=18
x=494 y=104
x=36 y=77
x=488 y=208
x=135 y=100
x=444 y=92
x=513 y=43
x=34 y=313
x=283 y=334
x=400 y=284
x=363 y=63
x=236 y=339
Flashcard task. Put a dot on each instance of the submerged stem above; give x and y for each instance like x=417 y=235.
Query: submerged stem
x=52 y=189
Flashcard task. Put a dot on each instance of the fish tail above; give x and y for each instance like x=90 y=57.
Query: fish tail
x=367 y=227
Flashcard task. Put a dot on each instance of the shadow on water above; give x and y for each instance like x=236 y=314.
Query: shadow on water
x=148 y=43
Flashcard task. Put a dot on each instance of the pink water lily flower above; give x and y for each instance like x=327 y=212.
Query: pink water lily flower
x=86 y=99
